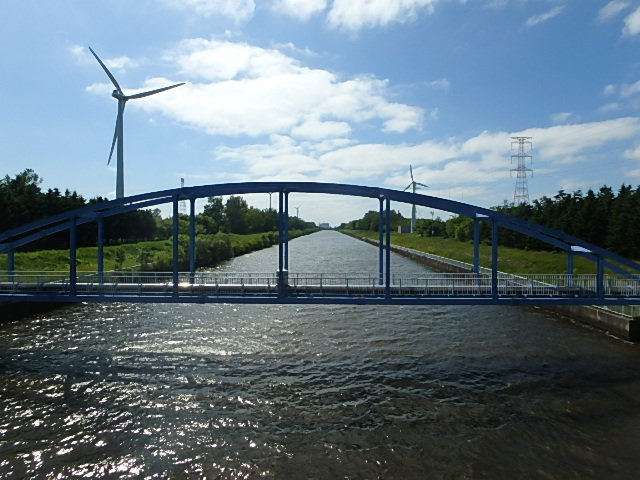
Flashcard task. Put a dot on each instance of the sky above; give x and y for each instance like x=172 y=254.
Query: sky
x=342 y=91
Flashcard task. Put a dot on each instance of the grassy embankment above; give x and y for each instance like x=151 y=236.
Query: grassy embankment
x=58 y=260
x=510 y=260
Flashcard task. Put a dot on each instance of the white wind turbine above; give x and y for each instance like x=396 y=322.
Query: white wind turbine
x=414 y=185
x=118 y=134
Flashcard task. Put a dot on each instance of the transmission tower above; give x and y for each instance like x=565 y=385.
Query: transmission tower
x=521 y=194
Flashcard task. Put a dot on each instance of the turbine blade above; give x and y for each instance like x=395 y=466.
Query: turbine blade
x=113 y=143
x=152 y=92
x=422 y=184
x=411 y=170
x=104 y=67
x=115 y=133
x=408 y=187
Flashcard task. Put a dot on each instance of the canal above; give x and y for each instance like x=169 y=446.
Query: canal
x=270 y=391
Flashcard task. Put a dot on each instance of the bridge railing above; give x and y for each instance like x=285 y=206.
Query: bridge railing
x=345 y=284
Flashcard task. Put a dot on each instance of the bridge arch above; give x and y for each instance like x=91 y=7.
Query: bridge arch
x=13 y=239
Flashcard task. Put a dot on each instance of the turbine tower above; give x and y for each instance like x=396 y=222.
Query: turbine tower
x=118 y=134
x=414 y=185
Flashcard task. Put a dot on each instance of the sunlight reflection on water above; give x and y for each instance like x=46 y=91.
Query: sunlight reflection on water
x=244 y=391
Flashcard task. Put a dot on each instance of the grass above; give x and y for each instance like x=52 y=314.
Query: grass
x=510 y=260
x=87 y=257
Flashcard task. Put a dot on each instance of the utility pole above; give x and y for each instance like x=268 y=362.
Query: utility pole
x=521 y=194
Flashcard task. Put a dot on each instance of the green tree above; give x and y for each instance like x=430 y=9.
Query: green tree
x=212 y=217
x=235 y=215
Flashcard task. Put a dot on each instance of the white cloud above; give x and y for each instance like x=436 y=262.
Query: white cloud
x=301 y=9
x=543 y=17
x=628 y=90
x=565 y=143
x=610 y=107
x=240 y=89
x=564 y=117
x=632 y=23
x=237 y=10
x=612 y=10
x=633 y=154
x=357 y=14
x=83 y=55
x=314 y=129
x=443 y=83
x=476 y=170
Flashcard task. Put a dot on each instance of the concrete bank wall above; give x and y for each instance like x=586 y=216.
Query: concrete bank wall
x=622 y=326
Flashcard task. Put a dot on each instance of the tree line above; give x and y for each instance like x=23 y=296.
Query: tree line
x=22 y=201
x=605 y=218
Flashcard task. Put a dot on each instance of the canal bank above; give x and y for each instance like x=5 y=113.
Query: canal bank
x=617 y=324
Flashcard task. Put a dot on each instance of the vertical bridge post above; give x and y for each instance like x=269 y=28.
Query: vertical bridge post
x=283 y=242
x=476 y=242
x=388 y=258
x=494 y=259
x=73 y=267
x=286 y=231
x=11 y=264
x=192 y=241
x=381 y=242
x=176 y=250
x=600 y=276
x=100 y=249
x=570 y=260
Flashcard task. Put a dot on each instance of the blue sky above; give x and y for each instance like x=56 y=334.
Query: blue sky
x=347 y=91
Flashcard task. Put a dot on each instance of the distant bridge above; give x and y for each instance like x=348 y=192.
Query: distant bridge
x=479 y=286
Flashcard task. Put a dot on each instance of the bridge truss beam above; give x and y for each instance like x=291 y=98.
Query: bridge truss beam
x=13 y=239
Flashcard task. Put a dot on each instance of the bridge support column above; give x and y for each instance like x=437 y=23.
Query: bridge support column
x=283 y=242
x=381 y=243
x=11 y=264
x=176 y=250
x=388 y=246
x=101 y=250
x=192 y=241
x=599 y=276
x=570 y=267
x=494 y=260
x=73 y=267
x=286 y=231
x=476 y=246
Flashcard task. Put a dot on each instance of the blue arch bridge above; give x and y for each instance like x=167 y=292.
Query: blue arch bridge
x=616 y=280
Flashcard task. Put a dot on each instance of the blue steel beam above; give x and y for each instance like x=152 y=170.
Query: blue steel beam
x=100 y=248
x=73 y=264
x=155 y=198
x=176 y=245
x=281 y=228
x=329 y=300
x=286 y=231
x=16 y=237
x=388 y=247
x=192 y=239
x=381 y=242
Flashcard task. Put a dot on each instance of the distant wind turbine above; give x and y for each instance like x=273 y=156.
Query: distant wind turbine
x=414 y=185
x=118 y=134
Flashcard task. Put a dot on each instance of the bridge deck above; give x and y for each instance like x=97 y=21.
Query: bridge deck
x=319 y=288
